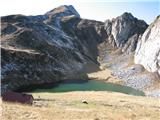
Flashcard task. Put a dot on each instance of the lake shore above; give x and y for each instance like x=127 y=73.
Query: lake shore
x=104 y=75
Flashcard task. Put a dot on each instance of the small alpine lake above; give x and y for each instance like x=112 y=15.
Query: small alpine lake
x=88 y=85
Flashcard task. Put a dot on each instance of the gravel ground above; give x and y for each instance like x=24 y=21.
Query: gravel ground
x=132 y=78
x=132 y=75
x=153 y=93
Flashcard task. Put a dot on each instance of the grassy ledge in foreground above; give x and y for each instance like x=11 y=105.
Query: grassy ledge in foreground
x=101 y=106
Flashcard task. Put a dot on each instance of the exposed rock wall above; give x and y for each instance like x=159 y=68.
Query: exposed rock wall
x=125 y=29
x=148 y=48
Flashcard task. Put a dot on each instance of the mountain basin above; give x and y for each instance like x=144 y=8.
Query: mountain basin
x=89 y=85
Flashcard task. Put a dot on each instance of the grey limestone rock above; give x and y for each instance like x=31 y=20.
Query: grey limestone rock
x=148 y=48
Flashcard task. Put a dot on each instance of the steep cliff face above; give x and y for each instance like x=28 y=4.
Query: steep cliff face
x=87 y=34
x=148 y=48
x=59 y=45
x=123 y=31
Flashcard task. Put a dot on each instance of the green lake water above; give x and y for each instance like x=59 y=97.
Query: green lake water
x=91 y=85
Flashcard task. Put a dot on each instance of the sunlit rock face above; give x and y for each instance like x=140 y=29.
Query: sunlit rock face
x=55 y=15
x=148 y=48
x=125 y=29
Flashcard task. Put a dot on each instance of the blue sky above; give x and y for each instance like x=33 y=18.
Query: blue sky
x=90 y=9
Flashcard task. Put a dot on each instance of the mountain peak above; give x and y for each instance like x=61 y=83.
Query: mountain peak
x=127 y=15
x=68 y=9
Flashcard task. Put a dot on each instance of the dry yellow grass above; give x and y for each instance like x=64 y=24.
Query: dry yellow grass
x=101 y=106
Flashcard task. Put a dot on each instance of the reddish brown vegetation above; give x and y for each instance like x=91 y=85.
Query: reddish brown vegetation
x=11 y=96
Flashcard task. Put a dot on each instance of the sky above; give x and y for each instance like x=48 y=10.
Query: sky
x=90 y=9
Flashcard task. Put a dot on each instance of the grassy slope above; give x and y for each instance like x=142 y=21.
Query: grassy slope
x=101 y=106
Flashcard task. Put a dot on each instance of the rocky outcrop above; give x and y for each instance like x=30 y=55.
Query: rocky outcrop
x=54 y=16
x=148 y=48
x=123 y=31
x=59 y=45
